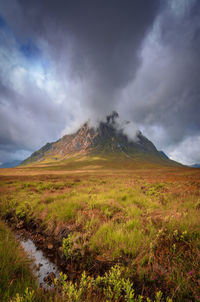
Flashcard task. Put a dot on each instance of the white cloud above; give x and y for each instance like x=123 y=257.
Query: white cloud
x=187 y=151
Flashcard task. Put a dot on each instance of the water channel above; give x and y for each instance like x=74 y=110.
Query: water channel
x=43 y=268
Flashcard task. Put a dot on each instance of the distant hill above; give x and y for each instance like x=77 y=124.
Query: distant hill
x=107 y=138
x=195 y=166
x=10 y=164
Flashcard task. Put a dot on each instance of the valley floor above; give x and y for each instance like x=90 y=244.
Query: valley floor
x=140 y=225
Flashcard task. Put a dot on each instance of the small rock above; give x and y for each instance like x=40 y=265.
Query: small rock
x=52 y=276
x=76 y=246
x=60 y=252
x=50 y=246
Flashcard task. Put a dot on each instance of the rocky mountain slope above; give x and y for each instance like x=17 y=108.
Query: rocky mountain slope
x=108 y=137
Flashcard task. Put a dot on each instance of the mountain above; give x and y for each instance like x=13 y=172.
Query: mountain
x=195 y=166
x=10 y=164
x=164 y=154
x=107 y=138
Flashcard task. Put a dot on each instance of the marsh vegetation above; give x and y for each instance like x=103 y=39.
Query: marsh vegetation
x=140 y=224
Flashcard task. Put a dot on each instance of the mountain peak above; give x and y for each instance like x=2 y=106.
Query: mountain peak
x=111 y=118
x=108 y=137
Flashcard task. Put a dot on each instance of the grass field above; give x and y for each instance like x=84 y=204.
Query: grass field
x=143 y=216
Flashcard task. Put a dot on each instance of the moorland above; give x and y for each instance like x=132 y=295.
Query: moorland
x=119 y=229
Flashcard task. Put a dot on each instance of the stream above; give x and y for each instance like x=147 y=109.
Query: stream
x=43 y=268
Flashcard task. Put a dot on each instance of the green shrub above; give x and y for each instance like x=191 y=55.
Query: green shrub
x=112 y=286
x=20 y=211
x=27 y=297
x=67 y=246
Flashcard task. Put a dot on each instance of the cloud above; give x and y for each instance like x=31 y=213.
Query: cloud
x=100 y=40
x=63 y=63
x=32 y=107
x=191 y=147
x=164 y=99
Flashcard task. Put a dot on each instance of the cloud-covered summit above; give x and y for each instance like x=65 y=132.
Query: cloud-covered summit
x=62 y=62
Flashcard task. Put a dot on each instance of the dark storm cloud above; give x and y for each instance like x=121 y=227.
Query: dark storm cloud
x=102 y=39
x=180 y=34
x=62 y=62
x=94 y=45
x=166 y=92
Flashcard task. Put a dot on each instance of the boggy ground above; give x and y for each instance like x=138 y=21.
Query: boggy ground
x=144 y=218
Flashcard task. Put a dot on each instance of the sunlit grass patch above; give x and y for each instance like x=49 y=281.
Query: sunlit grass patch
x=134 y=211
x=64 y=209
x=119 y=239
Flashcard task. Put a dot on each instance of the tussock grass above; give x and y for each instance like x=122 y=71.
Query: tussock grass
x=63 y=209
x=117 y=239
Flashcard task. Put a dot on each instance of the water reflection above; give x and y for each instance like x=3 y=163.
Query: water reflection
x=43 y=266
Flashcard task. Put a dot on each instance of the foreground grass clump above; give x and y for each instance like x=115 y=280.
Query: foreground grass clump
x=15 y=274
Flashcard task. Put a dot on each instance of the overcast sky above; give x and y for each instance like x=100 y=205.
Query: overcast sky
x=63 y=62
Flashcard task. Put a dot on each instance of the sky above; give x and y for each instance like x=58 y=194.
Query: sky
x=66 y=61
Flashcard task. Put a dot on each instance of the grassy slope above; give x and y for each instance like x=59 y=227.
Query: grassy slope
x=103 y=160
x=142 y=214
